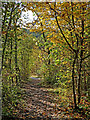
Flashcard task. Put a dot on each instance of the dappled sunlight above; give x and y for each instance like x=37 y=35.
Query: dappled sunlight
x=45 y=60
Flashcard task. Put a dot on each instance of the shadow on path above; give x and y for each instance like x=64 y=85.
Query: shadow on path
x=40 y=103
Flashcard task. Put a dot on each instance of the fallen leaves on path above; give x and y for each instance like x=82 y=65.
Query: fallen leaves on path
x=42 y=104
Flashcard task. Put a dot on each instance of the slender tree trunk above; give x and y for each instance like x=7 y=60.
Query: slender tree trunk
x=49 y=56
x=79 y=81
x=88 y=77
x=4 y=45
x=11 y=60
x=16 y=62
x=16 y=67
x=10 y=54
x=73 y=82
x=81 y=55
x=85 y=83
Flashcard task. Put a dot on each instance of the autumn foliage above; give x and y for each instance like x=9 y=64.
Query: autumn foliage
x=54 y=47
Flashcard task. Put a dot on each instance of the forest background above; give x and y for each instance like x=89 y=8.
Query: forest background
x=54 y=47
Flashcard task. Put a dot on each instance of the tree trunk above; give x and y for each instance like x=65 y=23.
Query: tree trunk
x=81 y=55
x=16 y=55
x=73 y=82
x=11 y=54
x=49 y=56
x=79 y=80
x=4 y=45
x=84 y=79
x=88 y=77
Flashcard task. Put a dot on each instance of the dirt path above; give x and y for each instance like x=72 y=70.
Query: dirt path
x=40 y=103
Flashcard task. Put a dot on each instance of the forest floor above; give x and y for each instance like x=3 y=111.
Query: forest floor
x=41 y=104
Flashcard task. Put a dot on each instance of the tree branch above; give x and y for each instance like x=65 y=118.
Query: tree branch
x=61 y=29
x=86 y=57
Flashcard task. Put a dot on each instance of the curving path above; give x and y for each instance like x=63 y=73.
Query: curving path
x=40 y=103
